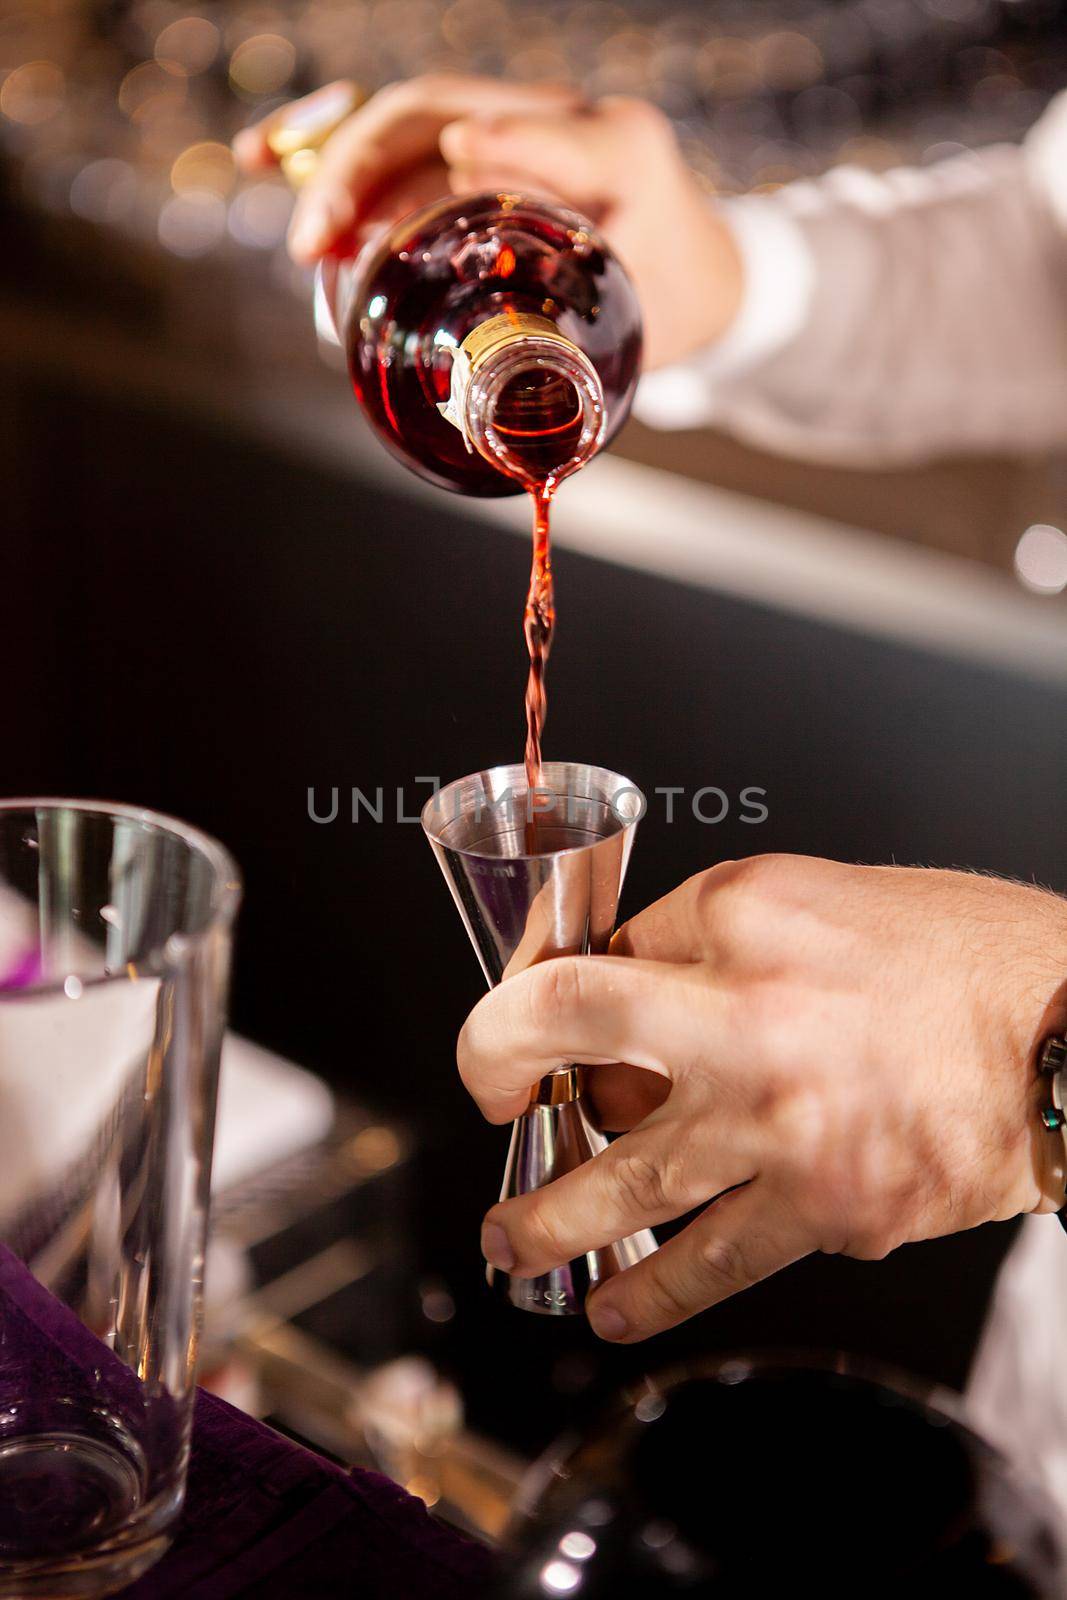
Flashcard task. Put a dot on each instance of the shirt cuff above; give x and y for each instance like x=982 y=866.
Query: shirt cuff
x=778 y=274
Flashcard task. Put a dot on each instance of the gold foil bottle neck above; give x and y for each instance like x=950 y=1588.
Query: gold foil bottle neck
x=508 y=327
x=484 y=343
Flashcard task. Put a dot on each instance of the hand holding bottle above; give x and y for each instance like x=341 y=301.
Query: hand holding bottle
x=838 y=1058
x=616 y=162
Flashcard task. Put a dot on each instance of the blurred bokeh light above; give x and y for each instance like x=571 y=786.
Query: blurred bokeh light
x=32 y=93
x=188 y=46
x=1041 y=559
x=761 y=91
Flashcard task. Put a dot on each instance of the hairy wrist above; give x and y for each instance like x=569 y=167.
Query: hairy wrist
x=1036 y=969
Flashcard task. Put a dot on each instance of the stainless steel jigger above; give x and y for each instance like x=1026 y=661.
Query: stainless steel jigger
x=519 y=906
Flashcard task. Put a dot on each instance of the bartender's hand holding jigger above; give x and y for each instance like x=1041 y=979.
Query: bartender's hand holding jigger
x=843 y=1055
x=849 y=1051
x=616 y=161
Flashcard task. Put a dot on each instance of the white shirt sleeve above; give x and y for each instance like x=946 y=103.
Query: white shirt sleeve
x=778 y=275
x=1017 y=1391
x=895 y=317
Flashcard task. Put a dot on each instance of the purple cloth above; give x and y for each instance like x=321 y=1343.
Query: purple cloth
x=26 y=968
x=267 y=1520
x=264 y=1519
x=52 y=1367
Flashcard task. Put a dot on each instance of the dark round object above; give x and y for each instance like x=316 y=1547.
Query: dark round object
x=758 y=1479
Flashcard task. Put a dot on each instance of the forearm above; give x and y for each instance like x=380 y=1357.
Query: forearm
x=931 y=319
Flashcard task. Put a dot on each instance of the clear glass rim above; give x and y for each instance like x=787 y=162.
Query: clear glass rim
x=512 y=777
x=226 y=887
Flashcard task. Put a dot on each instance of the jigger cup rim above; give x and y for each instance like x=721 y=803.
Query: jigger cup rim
x=226 y=882
x=562 y=778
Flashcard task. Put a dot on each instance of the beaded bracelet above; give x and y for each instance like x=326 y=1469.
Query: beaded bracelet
x=1052 y=1064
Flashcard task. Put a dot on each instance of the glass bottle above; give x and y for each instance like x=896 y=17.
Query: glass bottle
x=493 y=341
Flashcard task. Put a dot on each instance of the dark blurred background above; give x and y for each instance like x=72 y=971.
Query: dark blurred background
x=216 y=593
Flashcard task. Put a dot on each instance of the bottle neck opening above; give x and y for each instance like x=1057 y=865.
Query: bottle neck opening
x=535 y=409
x=526 y=398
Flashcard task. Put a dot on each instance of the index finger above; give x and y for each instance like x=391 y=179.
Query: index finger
x=585 y=1009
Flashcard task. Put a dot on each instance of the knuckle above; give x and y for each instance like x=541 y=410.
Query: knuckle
x=766 y=875
x=871 y=1244
x=737 y=901
x=712 y=886
x=861 y=1211
x=831 y=1215
x=769 y=1108
x=554 y=990
x=833 y=1239
x=722 y=1264
x=781 y=1030
x=537 y=1235
x=684 y=1173
x=896 y=1211
x=801 y=1122
x=641 y=1184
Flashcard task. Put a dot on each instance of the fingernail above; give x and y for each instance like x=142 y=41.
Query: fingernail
x=496 y=1247
x=607 y=1323
x=311 y=229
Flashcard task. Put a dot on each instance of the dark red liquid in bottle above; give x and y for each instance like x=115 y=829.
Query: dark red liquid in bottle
x=433 y=279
